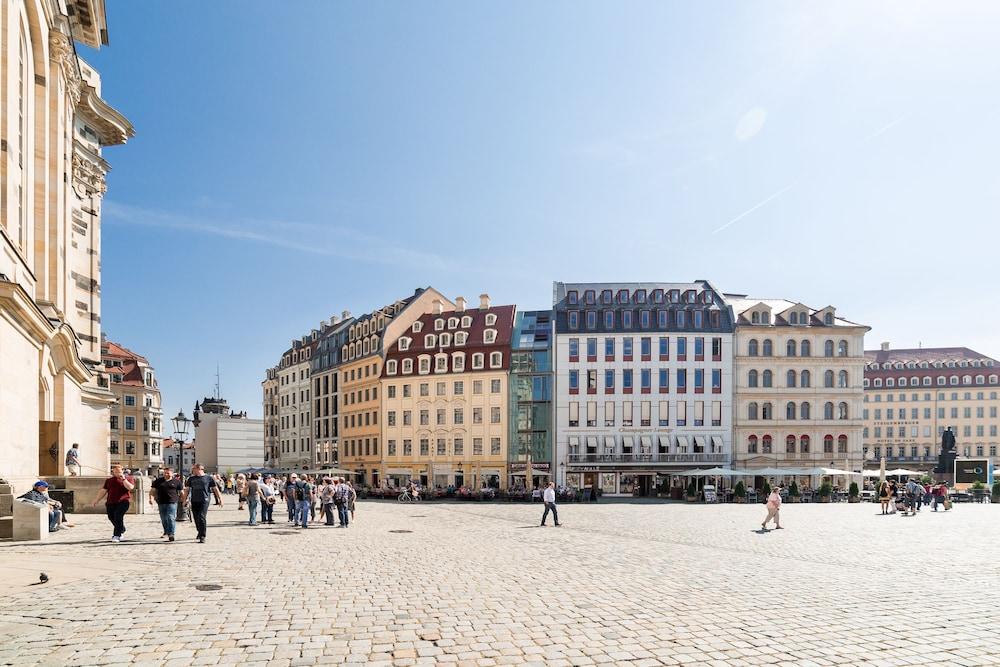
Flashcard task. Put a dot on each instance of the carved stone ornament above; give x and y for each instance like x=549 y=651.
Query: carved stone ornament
x=61 y=52
x=88 y=178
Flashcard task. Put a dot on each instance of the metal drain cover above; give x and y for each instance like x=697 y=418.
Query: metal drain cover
x=283 y=532
x=400 y=531
x=418 y=516
x=208 y=587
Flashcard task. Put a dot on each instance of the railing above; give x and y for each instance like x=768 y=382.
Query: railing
x=648 y=457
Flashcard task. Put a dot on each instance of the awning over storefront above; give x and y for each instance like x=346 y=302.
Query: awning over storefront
x=717 y=443
x=609 y=443
x=628 y=442
x=398 y=471
x=664 y=442
x=592 y=442
x=699 y=441
x=646 y=443
x=682 y=441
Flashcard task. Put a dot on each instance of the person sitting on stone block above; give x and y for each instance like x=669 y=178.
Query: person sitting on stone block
x=39 y=495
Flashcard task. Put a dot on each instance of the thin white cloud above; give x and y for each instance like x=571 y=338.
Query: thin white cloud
x=750 y=124
x=310 y=238
x=755 y=207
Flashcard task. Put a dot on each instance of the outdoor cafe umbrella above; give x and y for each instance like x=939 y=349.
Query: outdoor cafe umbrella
x=903 y=472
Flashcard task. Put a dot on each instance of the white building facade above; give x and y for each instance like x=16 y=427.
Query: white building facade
x=643 y=383
x=294 y=406
x=229 y=442
x=799 y=386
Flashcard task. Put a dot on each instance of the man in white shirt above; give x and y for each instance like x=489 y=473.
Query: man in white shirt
x=550 y=503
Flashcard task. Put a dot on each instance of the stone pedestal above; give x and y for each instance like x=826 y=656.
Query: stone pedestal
x=31 y=521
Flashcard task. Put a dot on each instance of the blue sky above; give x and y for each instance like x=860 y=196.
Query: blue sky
x=292 y=160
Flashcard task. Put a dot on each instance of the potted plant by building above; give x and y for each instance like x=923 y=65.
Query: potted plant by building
x=996 y=492
x=825 y=491
x=853 y=493
x=793 y=492
x=978 y=490
x=692 y=491
x=740 y=492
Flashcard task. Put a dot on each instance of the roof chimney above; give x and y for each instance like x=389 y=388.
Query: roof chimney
x=460 y=304
x=885 y=346
x=484 y=301
x=438 y=306
x=345 y=315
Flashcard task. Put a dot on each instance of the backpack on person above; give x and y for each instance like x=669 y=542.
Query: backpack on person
x=302 y=490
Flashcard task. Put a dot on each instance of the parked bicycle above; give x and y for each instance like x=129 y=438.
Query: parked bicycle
x=407 y=497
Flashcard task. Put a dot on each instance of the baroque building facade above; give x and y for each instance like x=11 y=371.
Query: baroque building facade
x=136 y=421
x=643 y=383
x=295 y=405
x=911 y=396
x=444 y=398
x=799 y=386
x=333 y=335
x=269 y=390
x=54 y=126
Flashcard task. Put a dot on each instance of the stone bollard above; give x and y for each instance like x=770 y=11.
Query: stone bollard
x=31 y=521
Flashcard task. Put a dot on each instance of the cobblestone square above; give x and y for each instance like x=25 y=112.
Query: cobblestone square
x=482 y=584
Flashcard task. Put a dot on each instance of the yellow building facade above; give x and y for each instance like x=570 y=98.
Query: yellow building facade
x=445 y=385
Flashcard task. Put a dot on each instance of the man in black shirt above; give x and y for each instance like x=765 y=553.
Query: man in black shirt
x=199 y=489
x=164 y=491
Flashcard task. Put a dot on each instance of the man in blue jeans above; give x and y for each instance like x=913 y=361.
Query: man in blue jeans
x=304 y=496
x=342 y=499
x=39 y=495
x=165 y=491
x=549 y=496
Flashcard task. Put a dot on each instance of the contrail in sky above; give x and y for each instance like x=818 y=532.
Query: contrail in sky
x=755 y=207
x=885 y=128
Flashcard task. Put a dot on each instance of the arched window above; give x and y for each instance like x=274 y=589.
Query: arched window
x=478 y=360
x=790 y=348
x=466 y=321
x=842 y=411
x=842 y=380
x=793 y=318
x=754 y=318
x=804 y=410
x=901 y=382
x=752 y=348
x=752 y=444
x=804 y=444
x=828 y=348
x=828 y=319
x=768 y=379
x=805 y=379
x=842 y=348
x=407 y=366
x=768 y=348
x=751 y=411
x=491 y=319
x=767 y=411
x=790 y=444
x=458 y=361
x=417 y=326
x=496 y=359
x=805 y=349
x=790 y=379
x=445 y=339
x=842 y=444
x=430 y=340
x=828 y=379
x=790 y=410
x=828 y=444
x=828 y=411
x=489 y=336
x=766 y=442
x=752 y=379
x=452 y=322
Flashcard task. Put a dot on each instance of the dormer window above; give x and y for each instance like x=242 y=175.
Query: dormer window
x=765 y=318
x=640 y=296
x=390 y=367
x=803 y=318
x=407 y=366
x=438 y=325
x=623 y=296
x=445 y=340
x=828 y=319
x=606 y=296
x=461 y=337
x=755 y=318
x=588 y=296
x=441 y=363
x=430 y=340
x=478 y=360
x=707 y=296
x=491 y=319
x=793 y=318
x=404 y=344
x=675 y=296
x=657 y=296
x=572 y=297
x=452 y=322
x=466 y=322
x=458 y=362
x=425 y=365
x=489 y=336
x=496 y=359
x=691 y=296
x=417 y=326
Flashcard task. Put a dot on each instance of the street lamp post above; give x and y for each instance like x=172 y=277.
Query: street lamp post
x=181 y=424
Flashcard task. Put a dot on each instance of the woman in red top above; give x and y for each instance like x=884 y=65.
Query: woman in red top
x=118 y=491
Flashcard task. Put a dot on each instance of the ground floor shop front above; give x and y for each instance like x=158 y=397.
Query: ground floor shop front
x=643 y=483
x=488 y=475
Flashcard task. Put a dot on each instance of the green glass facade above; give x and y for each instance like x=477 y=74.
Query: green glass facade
x=531 y=398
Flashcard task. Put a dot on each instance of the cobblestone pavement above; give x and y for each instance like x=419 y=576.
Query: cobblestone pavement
x=481 y=584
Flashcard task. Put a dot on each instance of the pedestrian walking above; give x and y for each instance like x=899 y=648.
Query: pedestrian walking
x=550 y=504
x=289 y=494
x=241 y=489
x=773 y=508
x=254 y=496
x=199 y=489
x=73 y=461
x=883 y=496
x=165 y=492
x=352 y=498
x=117 y=492
x=326 y=493
x=269 y=498
x=913 y=492
x=342 y=499
x=304 y=496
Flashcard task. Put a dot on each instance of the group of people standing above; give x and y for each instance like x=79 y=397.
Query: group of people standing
x=303 y=495
x=910 y=497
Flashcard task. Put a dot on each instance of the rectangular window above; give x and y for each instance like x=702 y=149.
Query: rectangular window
x=699 y=380
x=627 y=348
x=391 y=444
x=591 y=413
x=716 y=413
x=645 y=413
x=425 y=389
x=391 y=418
x=609 y=413
x=459 y=387
x=129 y=423
x=459 y=416
x=477 y=446
x=477 y=386
x=407 y=417
x=627 y=413
x=681 y=419
x=494 y=446
x=682 y=348
x=626 y=319
x=627 y=380
x=664 y=348
x=664 y=380
x=716 y=349
x=682 y=379
x=459 y=446
x=574 y=414
x=699 y=413
x=574 y=349
x=644 y=319
x=442 y=448
x=425 y=447
x=609 y=349
x=609 y=381
x=716 y=381
x=391 y=392
x=573 y=319
x=646 y=380
x=440 y=417
x=477 y=415
x=661 y=319
x=609 y=319
x=646 y=348
x=664 y=413
x=699 y=349
x=129 y=400
x=494 y=386
x=495 y=415
x=574 y=382
x=425 y=418
x=591 y=319
x=591 y=349
x=442 y=389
